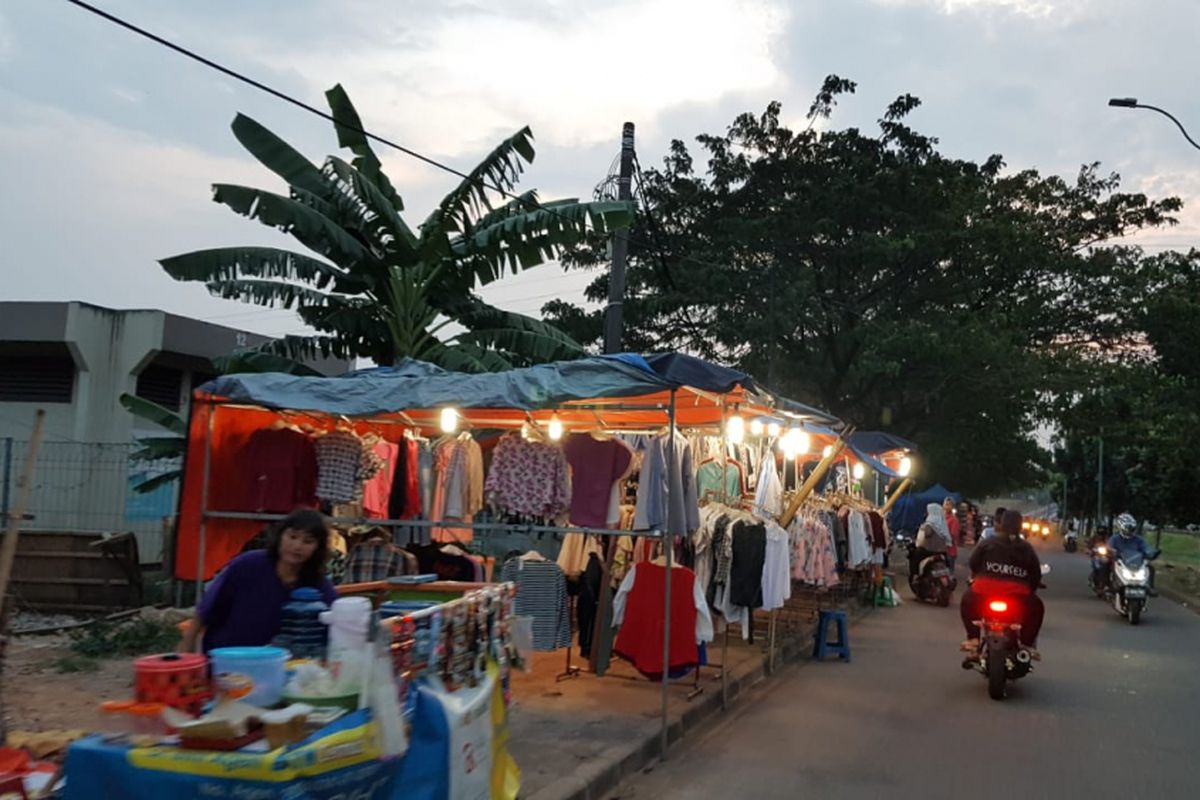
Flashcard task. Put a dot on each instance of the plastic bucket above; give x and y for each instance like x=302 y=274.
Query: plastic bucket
x=263 y=665
x=179 y=680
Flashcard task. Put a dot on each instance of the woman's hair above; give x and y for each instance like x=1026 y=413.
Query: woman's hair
x=1010 y=524
x=307 y=521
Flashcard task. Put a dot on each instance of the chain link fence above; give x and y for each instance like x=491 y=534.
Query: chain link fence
x=89 y=487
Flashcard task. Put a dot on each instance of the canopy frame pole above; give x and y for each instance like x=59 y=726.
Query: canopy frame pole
x=817 y=474
x=725 y=499
x=901 y=489
x=202 y=545
x=669 y=547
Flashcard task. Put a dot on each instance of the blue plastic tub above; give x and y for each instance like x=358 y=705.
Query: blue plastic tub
x=264 y=666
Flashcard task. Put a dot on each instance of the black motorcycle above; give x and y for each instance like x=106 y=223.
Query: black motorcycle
x=932 y=581
x=1001 y=657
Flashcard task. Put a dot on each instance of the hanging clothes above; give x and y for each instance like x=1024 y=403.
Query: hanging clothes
x=587 y=604
x=597 y=465
x=721 y=481
x=749 y=557
x=768 y=499
x=458 y=494
x=541 y=594
x=377 y=491
x=666 y=498
x=576 y=547
x=814 y=554
x=378 y=560
x=859 y=539
x=639 y=615
x=344 y=463
x=278 y=473
x=529 y=478
x=776 y=574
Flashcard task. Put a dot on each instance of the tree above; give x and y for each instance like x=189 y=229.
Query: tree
x=949 y=301
x=378 y=289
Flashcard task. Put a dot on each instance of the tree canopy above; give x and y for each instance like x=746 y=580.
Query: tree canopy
x=952 y=302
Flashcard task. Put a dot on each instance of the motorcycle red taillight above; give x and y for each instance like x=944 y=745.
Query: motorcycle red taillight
x=999 y=606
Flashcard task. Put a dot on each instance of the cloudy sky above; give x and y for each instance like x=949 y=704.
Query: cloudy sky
x=111 y=142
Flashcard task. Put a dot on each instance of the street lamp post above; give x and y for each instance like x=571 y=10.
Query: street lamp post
x=1131 y=102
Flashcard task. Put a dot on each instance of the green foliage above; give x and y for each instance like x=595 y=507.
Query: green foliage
x=137 y=637
x=377 y=289
x=955 y=303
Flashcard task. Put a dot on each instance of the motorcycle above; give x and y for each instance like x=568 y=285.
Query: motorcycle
x=1001 y=656
x=933 y=581
x=1099 y=555
x=1070 y=541
x=1129 y=585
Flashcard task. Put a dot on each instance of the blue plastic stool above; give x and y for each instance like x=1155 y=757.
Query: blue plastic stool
x=823 y=646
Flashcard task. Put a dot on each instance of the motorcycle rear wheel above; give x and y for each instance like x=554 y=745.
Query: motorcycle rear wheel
x=997 y=676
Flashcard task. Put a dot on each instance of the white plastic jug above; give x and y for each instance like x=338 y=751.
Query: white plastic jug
x=349 y=620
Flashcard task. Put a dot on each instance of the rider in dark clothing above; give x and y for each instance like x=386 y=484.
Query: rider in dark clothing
x=1005 y=565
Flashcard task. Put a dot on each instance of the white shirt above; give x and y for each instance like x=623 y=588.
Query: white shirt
x=768 y=500
x=776 y=577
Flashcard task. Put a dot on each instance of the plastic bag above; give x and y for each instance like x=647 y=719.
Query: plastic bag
x=522 y=638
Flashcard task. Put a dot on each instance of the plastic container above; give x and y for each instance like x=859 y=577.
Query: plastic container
x=113 y=717
x=180 y=680
x=263 y=665
x=147 y=718
x=301 y=630
x=348 y=619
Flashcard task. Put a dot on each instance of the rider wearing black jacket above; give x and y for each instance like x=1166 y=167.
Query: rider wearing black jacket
x=1005 y=565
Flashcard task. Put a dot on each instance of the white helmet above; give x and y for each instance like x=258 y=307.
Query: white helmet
x=1126 y=525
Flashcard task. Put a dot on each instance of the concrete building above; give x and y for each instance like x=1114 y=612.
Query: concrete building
x=75 y=360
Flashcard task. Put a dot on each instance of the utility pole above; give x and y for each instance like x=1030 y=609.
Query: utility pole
x=620 y=249
x=1100 y=483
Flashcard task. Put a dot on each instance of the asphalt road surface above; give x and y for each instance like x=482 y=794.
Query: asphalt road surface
x=1112 y=711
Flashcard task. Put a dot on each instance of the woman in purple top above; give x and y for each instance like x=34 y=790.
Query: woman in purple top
x=243 y=605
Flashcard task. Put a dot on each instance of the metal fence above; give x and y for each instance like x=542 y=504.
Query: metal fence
x=81 y=486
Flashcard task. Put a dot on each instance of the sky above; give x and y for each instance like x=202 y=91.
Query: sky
x=112 y=142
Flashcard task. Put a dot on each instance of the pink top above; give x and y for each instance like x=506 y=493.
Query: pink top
x=378 y=490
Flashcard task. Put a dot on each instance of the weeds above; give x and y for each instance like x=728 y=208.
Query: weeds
x=134 y=638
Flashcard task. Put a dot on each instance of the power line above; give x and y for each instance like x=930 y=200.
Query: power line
x=238 y=76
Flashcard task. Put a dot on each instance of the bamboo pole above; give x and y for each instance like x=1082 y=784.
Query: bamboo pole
x=814 y=479
x=904 y=486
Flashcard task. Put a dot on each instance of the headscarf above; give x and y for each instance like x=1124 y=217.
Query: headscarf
x=936 y=519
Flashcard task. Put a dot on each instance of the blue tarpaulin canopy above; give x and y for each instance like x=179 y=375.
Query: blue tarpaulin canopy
x=416 y=385
x=909 y=511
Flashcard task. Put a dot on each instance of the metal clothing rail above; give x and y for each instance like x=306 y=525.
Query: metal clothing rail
x=482 y=527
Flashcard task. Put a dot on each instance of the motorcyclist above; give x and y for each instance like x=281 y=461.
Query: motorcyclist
x=1124 y=543
x=1005 y=565
x=990 y=530
x=933 y=537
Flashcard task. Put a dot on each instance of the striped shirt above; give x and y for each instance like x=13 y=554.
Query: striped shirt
x=541 y=594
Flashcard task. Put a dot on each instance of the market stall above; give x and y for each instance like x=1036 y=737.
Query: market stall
x=404 y=450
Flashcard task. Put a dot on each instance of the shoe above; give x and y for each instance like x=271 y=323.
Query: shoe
x=1034 y=654
x=969 y=646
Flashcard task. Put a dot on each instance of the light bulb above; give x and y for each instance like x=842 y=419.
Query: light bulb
x=735 y=430
x=827 y=452
x=803 y=441
x=756 y=427
x=449 y=420
x=859 y=471
x=773 y=430
x=905 y=467
x=555 y=428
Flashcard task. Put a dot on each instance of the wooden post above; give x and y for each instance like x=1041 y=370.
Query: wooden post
x=814 y=479
x=8 y=552
x=901 y=489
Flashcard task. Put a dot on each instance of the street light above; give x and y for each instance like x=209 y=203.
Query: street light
x=1131 y=102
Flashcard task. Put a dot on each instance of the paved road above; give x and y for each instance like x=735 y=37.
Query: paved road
x=1113 y=711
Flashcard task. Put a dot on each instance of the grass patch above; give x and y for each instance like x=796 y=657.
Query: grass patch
x=1181 y=549
x=136 y=637
x=76 y=664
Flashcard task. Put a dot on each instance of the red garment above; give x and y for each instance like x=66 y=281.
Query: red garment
x=992 y=586
x=378 y=490
x=641 y=636
x=278 y=473
x=596 y=464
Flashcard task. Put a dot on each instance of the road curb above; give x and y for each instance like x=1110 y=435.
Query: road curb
x=594 y=779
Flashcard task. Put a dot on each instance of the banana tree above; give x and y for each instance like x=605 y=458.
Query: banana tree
x=376 y=288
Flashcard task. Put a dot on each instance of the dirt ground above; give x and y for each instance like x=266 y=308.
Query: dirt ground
x=37 y=697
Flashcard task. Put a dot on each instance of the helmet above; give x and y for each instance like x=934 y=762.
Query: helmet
x=1126 y=525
